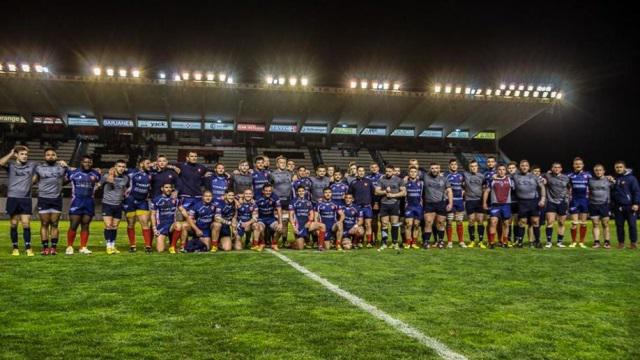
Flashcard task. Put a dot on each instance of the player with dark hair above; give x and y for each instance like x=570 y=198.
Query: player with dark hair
x=136 y=204
x=558 y=185
x=164 y=208
x=531 y=197
x=456 y=180
x=599 y=187
x=303 y=218
x=579 y=203
x=626 y=202
x=269 y=216
x=437 y=201
x=497 y=200
x=413 y=212
x=362 y=190
x=331 y=217
x=114 y=187
x=82 y=209
x=473 y=180
x=19 y=203
x=226 y=224
x=390 y=188
x=50 y=177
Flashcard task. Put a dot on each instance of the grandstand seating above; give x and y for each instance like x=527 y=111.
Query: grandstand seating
x=300 y=156
x=401 y=158
x=342 y=158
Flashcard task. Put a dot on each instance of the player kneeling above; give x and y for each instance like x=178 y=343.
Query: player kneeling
x=226 y=224
x=247 y=214
x=302 y=218
x=163 y=219
x=331 y=217
x=200 y=220
x=352 y=224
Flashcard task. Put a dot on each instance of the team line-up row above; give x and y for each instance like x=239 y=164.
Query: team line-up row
x=206 y=209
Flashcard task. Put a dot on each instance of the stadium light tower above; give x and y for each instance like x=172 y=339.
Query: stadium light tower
x=39 y=68
x=374 y=85
x=269 y=79
x=135 y=73
x=293 y=81
x=447 y=89
x=97 y=71
x=11 y=67
x=122 y=72
x=304 y=81
x=396 y=86
x=176 y=77
x=197 y=76
x=458 y=90
x=230 y=80
x=385 y=85
x=25 y=67
x=281 y=80
x=488 y=92
x=559 y=96
x=185 y=75
x=110 y=72
x=363 y=84
x=354 y=84
x=162 y=75
x=437 y=88
x=222 y=77
x=503 y=86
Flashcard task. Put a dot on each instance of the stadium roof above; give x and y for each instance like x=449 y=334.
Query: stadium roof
x=131 y=98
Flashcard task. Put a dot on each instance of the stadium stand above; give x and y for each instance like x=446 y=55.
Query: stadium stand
x=342 y=158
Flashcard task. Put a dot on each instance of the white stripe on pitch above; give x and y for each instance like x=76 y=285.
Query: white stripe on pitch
x=399 y=325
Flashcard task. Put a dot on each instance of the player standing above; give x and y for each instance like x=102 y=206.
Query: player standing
x=558 y=185
x=498 y=194
x=19 y=203
x=50 y=177
x=473 y=180
x=600 y=187
x=114 y=186
x=390 y=188
x=136 y=204
x=531 y=197
x=82 y=209
x=437 y=201
x=338 y=188
x=579 y=203
x=456 y=180
x=413 y=213
x=282 y=181
x=362 y=190
x=626 y=202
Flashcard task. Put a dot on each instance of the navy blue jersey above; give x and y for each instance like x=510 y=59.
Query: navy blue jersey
x=161 y=177
x=351 y=216
x=362 y=191
x=304 y=182
x=260 y=178
x=82 y=183
x=328 y=210
x=301 y=209
x=414 y=192
x=338 y=190
x=203 y=213
x=456 y=179
x=165 y=208
x=226 y=210
x=488 y=175
x=218 y=185
x=267 y=206
x=579 y=184
x=375 y=178
x=139 y=184
x=190 y=179
x=246 y=210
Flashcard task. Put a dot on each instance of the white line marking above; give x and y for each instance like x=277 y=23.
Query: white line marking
x=399 y=325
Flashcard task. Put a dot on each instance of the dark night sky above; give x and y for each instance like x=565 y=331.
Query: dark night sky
x=589 y=50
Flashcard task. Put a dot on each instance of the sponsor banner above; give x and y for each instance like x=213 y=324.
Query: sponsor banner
x=313 y=129
x=14 y=119
x=404 y=132
x=123 y=123
x=47 y=120
x=186 y=125
x=486 y=135
x=432 y=133
x=344 y=131
x=459 y=134
x=153 y=124
x=218 y=126
x=282 y=128
x=251 y=127
x=82 y=121
x=374 y=131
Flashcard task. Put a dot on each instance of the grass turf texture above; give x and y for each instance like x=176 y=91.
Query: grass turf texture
x=485 y=304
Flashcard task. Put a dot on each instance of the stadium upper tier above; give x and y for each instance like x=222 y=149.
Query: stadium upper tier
x=254 y=108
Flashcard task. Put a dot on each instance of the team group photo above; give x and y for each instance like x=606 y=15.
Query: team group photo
x=319 y=180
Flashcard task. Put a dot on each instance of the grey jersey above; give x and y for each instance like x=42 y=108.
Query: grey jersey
x=317 y=186
x=599 y=190
x=113 y=193
x=282 y=181
x=50 y=179
x=473 y=185
x=348 y=179
x=242 y=182
x=435 y=188
x=393 y=184
x=20 y=179
x=526 y=186
x=557 y=188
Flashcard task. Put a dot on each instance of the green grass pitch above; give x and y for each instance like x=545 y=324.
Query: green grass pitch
x=484 y=304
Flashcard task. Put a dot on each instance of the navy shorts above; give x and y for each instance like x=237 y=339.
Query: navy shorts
x=390 y=209
x=579 y=206
x=115 y=211
x=347 y=228
x=82 y=206
x=329 y=233
x=501 y=211
x=19 y=206
x=301 y=230
x=528 y=208
x=474 y=207
x=48 y=205
x=367 y=211
x=206 y=230
x=267 y=222
x=440 y=208
x=560 y=209
x=515 y=209
x=164 y=228
x=599 y=210
x=458 y=206
x=225 y=231
x=187 y=202
x=413 y=212
x=131 y=204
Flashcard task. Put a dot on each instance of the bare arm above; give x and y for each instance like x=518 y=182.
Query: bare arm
x=5 y=159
